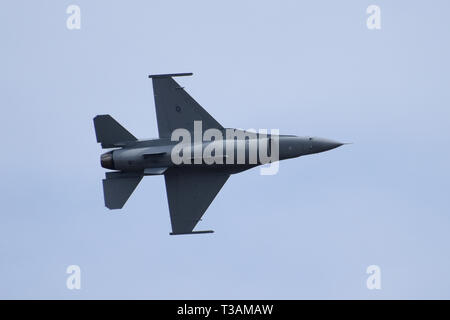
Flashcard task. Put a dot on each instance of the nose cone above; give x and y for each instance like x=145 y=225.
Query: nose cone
x=106 y=160
x=321 y=144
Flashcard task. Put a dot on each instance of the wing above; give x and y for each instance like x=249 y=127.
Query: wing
x=175 y=108
x=190 y=191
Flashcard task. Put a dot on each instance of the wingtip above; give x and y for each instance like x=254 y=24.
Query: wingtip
x=192 y=232
x=167 y=75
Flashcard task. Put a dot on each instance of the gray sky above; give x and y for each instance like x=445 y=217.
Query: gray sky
x=307 y=68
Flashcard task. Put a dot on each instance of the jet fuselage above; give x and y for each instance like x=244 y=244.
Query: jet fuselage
x=194 y=152
x=237 y=154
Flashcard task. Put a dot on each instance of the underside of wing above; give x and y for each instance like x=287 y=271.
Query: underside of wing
x=190 y=191
x=175 y=108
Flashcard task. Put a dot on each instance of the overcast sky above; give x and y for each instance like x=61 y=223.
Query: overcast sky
x=303 y=67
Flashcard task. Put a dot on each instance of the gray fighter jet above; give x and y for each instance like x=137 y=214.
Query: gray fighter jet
x=206 y=162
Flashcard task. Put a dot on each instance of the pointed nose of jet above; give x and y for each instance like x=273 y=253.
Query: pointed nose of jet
x=322 y=144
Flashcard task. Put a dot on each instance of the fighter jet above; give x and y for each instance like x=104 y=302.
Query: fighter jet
x=194 y=169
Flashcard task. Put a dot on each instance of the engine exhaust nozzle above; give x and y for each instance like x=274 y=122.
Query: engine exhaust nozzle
x=106 y=160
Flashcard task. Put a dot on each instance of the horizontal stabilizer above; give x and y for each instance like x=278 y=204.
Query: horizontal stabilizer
x=117 y=190
x=110 y=133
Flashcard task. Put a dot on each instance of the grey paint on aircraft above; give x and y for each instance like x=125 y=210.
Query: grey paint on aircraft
x=190 y=187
